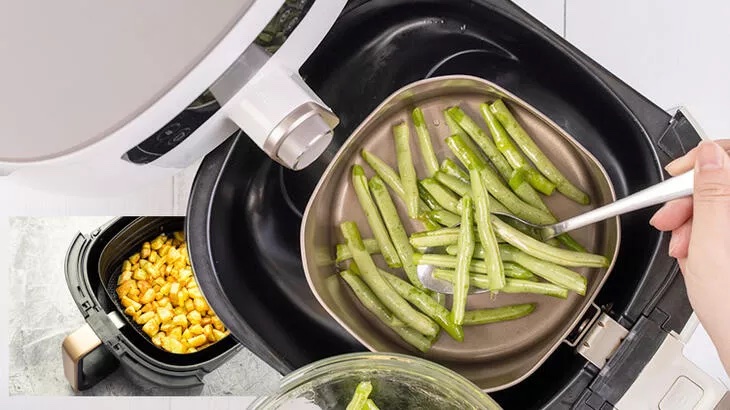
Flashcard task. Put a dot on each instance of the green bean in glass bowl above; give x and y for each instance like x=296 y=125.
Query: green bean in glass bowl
x=398 y=382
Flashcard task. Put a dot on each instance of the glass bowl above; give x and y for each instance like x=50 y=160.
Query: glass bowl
x=399 y=382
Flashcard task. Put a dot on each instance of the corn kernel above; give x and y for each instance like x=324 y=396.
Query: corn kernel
x=145 y=250
x=176 y=333
x=145 y=317
x=176 y=346
x=127 y=302
x=200 y=305
x=153 y=257
x=124 y=288
x=180 y=320
x=179 y=310
x=182 y=296
x=186 y=334
x=125 y=276
x=157 y=242
x=195 y=293
x=126 y=265
x=134 y=258
x=205 y=321
x=143 y=285
x=218 y=334
x=164 y=250
x=189 y=305
x=129 y=310
x=197 y=341
x=165 y=314
x=208 y=332
x=196 y=330
x=194 y=317
x=174 y=289
x=167 y=327
x=217 y=323
x=157 y=339
x=146 y=308
x=165 y=301
x=148 y=296
x=151 y=327
x=139 y=274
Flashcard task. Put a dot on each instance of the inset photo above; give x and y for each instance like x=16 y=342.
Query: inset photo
x=110 y=306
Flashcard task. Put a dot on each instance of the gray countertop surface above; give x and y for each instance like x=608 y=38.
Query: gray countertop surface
x=42 y=313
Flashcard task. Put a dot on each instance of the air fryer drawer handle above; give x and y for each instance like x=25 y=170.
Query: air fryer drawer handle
x=86 y=361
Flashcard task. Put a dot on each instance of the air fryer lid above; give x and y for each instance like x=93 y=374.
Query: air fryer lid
x=248 y=211
x=91 y=52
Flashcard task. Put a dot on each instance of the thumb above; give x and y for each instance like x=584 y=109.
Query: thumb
x=711 y=225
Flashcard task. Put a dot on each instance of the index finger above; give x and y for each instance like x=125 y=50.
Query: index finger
x=687 y=162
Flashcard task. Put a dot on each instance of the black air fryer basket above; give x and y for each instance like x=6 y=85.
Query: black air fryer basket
x=93 y=264
x=246 y=211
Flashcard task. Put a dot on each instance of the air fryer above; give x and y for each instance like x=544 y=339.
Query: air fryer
x=246 y=211
x=110 y=338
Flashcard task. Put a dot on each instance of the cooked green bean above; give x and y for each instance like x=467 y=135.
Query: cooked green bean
x=380 y=232
x=402 y=137
x=445 y=218
x=549 y=271
x=439 y=237
x=360 y=397
x=440 y=298
x=517 y=178
x=395 y=228
x=427 y=198
x=370 y=405
x=455 y=128
x=512 y=154
x=423 y=302
x=453 y=183
x=488 y=241
x=571 y=243
x=524 y=191
x=381 y=288
x=424 y=141
x=500 y=314
x=532 y=151
x=442 y=195
x=388 y=175
x=463 y=260
x=544 y=251
x=450 y=167
x=429 y=224
x=511 y=269
x=483 y=141
x=511 y=285
x=377 y=308
x=343 y=252
x=495 y=186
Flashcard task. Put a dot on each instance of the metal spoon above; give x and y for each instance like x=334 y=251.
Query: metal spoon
x=673 y=188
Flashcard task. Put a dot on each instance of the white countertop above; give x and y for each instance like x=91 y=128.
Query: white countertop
x=673 y=52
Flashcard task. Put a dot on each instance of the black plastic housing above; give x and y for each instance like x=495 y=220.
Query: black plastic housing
x=246 y=210
x=92 y=263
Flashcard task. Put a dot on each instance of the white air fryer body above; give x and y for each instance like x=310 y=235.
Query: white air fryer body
x=101 y=98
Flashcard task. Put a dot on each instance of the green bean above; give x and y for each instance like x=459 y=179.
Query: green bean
x=463 y=260
x=453 y=183
x=369 y=273
x=378 y=309
x=517 y=178
x=380 y=232
x=495 y=186
x=445 y=218
x=450 y=167
x=362 y=392
x=424 y=141
x=532 y=151
x=544 y=251
x=439 y=237
x=370 y=405
x=511 y=285
x=427 y=198
x=388 y=175
x=395 y=228
x=571 y=243
x=524 y=191
x=483 y=141
x=407 y=171
x=423 y=302
x=343 y=252
x=442 y=195
x=429 y=224
x=547 y=270
x=512 y=154
x=500 y=314
x=495 y=270
x=455 y=128
x=515 y=271
x=440 y=298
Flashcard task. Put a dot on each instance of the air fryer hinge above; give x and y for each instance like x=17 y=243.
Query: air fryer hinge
x=682 y=129
x=602 y=340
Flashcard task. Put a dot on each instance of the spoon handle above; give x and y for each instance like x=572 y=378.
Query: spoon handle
x=673 y=188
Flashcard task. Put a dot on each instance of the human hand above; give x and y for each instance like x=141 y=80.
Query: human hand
x=700 y=227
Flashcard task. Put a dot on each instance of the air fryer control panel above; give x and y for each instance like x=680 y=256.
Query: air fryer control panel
x=202 y=109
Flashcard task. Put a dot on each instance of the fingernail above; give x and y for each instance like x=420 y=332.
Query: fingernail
x=670 y=166
x=710 y=156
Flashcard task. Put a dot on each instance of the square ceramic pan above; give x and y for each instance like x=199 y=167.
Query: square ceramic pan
x=494 y=356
